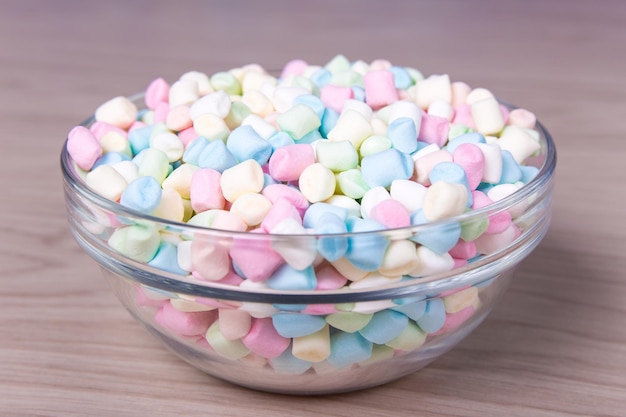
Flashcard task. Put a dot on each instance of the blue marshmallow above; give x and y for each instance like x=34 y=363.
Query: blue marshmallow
x=142 y=194
x=472 y=137
x=384 y=326
x=329 y=120
x=110 y=158
x=288 y=278
x=245 y=143
x=288 y=364
x=403 y=135
x=215 y=155
x=511 y=171
x=315 y=211
x=451 y=172
x=314 y=102
x=139 y=138
x=280 y=139
x=347 y=349
x=528 y=173
x=332 y=247
x=296 y=324
x=310 y=137
x=366 y=251
x=194 y=149
x=401 y=78
x=166 y=259
x=440 y=239
x=382 y=168
x=414 y=310
x=321 y=77
x=358 y=93
x=434 y=317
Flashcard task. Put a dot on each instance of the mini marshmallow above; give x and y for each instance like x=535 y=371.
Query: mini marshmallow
x=227 y=82
x=408 y=193
x=398 y=166
x=402 y=134
x=245 y=177
x=244 y=143
x=487 y=116
x=288 y=162
x=83 y=147
x=180 y=180
x=183 y=92
x=171 y=206
x=522 y=118
x=317 y=183
x=336 y=155
x=411 y=338
x=215 y=155
x=435 y=87
x=115 y=142
x=251 y=207
x=347 y=349
x=441 y=108
x=425 y=164
x=119 y=112
x=351 y=126
x=107 y=182
x=521 y=145
x=400 y=259
x=434 y=317
x=433 y=129
x=143 y=194
x=298 y=121
x=155 y=163
x=334 y=96
x=444 y=200
x=158 y=91
x=211 y=127
x=263 y=128
x=230 y=349
x=204 y=84
x=351 y=183
x=136 y=242
x=374 y=144
x=380 y=88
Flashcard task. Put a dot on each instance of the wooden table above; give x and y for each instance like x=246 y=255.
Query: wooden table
x=555 y=346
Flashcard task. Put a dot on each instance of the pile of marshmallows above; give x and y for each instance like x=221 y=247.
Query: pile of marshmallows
x=319 y=151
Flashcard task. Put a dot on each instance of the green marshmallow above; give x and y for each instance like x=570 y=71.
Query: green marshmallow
x=227 y=82
x=337 y=64
x=379 y=353
x=230 y=349
x=154 y=163
x=411 y=338
x=138 y=242
x=298 y=121
x=347 y=79
x=472 y=229
x=416 y=75
x=352 y=184
x=238 y=111
x=337 y=156
x=374 y=144
x=458 y=130
x=348 y=322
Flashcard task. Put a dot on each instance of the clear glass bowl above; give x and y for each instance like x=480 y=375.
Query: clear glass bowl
x=336 y=331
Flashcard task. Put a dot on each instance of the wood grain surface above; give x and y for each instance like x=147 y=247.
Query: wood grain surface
x=556 y=344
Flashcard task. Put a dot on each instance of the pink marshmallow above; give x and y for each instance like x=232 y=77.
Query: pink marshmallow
x=185 y=323
x=491 y=243
x=459 y=263
x=288 y=162
x=136 y=125
x=205 y=191
x=158 y=91
x=187 y=135
x=178 y=119
x=264 y=340
x=234 y=324
x=334 y=96
x=275 y=192
x=380 y=89
x=426 y=163
x=434 y=129
x=498 y=222
x=255 y=257
x=454 y=320
x=209 y=259
x=293 y=67
x=463 y=116
x=319 y=309
x=281 y=209
x=99 y=129
x=391 y=213
x=144 y=300
x=463 y=250
x=328 y=278
x=161 y=111
x=83 y=147
x=472 y=159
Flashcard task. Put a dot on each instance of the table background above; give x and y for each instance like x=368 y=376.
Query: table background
x=556 y=344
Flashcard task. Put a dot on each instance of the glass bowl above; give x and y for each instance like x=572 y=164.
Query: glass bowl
x=326 y=336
